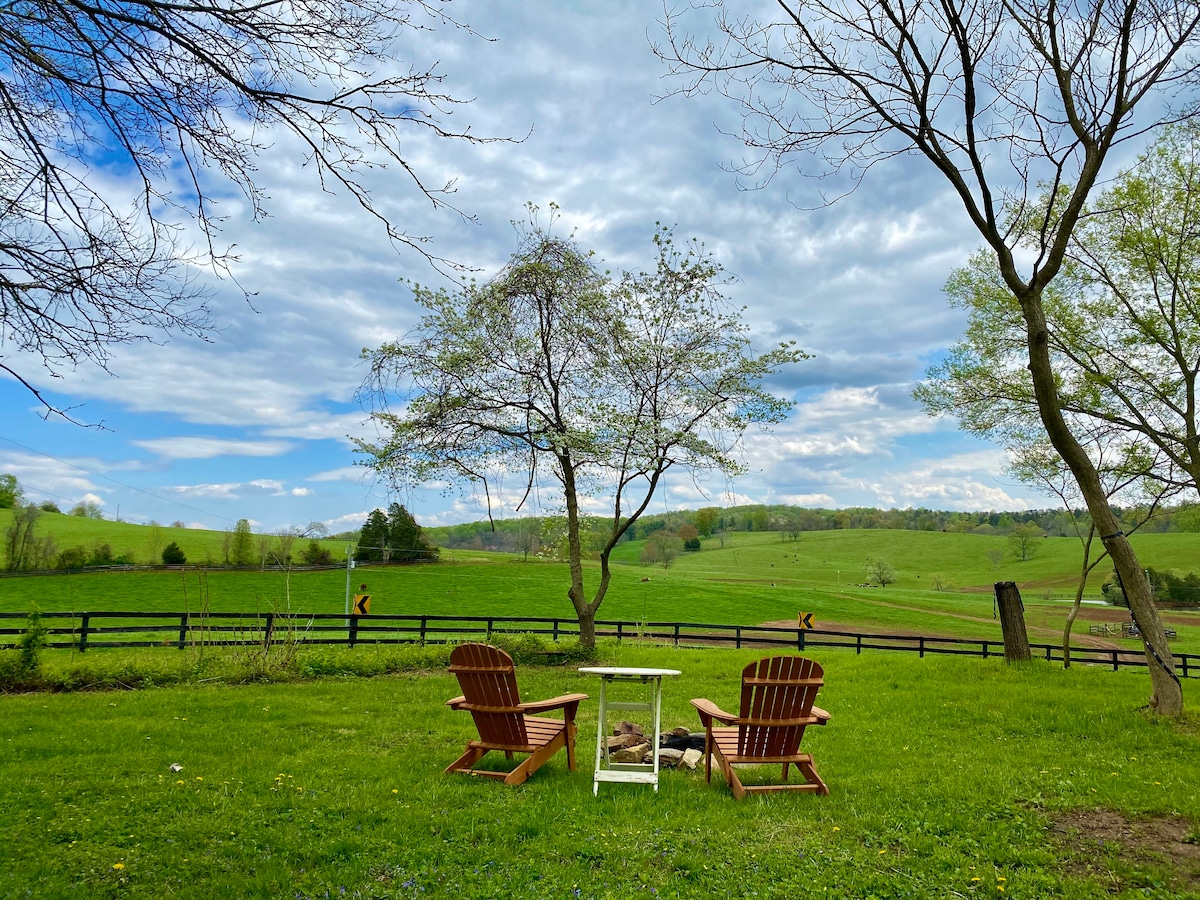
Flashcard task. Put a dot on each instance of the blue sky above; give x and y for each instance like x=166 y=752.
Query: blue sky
x=255 y=423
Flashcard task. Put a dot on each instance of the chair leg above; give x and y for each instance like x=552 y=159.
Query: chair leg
x=785 y=768
x=708 y=757
x=571 y=732
x=735 y=783
x=467 y=761
x=809 y=771
x=536 y=760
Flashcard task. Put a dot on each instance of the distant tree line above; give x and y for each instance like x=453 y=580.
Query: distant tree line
x=535 y=535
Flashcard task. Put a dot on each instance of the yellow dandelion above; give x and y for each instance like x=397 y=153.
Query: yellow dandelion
x=1001 y=878
x=394 y=791
x=198 y=778
x=977 y=878
x=881 y=852
x=118 y=866
x=836 y=828
x=180 y=781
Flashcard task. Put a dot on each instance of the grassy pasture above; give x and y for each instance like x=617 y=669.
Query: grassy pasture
x=949 y=778
x=754 y=578
x=135 y=540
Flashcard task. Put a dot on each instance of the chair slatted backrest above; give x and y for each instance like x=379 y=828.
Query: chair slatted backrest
x=489 y=686
x=776 y=692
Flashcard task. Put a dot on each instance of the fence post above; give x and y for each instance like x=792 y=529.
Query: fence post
x=489 y=627
x=83 y=636
x=424 y=619
x=1012 y=621
x=555 y=639
x=183 y=629
x=620 y=631
x=738 y=639
x=799 y=638
x=858 y=645
x=1116 y=661
x=676 y=634
x=985 y=649
x=269 y=634
x=353 y=639
x=1185 y=659
x=920 y=648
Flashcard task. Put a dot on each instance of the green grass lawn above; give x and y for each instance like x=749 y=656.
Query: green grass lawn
x=949 y=778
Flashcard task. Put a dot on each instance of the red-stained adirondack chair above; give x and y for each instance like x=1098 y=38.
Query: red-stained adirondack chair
x=777 y=705
x=489 y=693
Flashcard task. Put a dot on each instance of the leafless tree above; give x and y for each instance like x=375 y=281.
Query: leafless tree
x=168 y=100
x=1007 y=99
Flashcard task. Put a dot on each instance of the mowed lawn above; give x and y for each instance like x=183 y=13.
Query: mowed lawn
x=949 y=778
x=742 y=578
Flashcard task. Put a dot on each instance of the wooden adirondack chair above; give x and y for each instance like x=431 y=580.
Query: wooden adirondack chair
x=489 y=693
x=777 y=705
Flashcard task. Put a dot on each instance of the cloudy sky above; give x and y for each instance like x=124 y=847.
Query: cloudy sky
x=255 y=422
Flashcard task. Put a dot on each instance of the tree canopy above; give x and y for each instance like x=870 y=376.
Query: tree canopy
x=1005 y=99
x=11 y=494
x=1123 y=325
x=558 y=373
x=178 y=99
x=393 y=536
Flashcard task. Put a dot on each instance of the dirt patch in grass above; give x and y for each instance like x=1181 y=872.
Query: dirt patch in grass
x=1106 y=844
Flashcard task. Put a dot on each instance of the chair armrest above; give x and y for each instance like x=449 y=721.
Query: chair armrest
x=567 y=702
x=822 y=716
x=709 y=712
x=456 y=702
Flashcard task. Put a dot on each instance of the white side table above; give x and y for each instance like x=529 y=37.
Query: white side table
x=627 y=773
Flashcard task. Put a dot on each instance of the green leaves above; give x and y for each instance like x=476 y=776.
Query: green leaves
x=557 y=371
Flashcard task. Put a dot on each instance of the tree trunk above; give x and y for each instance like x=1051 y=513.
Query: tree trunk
x=1167 y=695
x=587 y=628
x=1084 y=572
x=583 y=611
x=1071 y=624
x=1012 y=622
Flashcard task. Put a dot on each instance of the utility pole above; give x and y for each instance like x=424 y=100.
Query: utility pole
x=349 y=566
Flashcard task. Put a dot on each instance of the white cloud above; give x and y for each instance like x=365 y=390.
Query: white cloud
x=857 y=284
x=208 y=447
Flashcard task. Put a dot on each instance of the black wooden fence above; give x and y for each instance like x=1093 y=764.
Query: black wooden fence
x=92 y=630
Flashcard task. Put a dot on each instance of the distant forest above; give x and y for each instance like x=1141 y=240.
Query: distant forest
x=538 y=536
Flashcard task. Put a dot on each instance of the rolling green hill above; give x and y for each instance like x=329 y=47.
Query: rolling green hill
x=142 y=543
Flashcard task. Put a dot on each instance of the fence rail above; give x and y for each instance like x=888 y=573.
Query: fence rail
x=83 y=631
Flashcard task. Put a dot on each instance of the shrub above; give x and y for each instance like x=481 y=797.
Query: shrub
x=72 y=557
x=172 y=555
x=316 y=555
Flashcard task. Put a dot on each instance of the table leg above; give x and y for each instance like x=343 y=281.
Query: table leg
x=601 y=744
x=656 y=690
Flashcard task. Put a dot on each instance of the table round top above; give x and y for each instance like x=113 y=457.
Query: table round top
x=628 y=671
